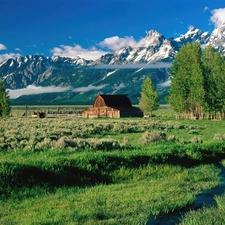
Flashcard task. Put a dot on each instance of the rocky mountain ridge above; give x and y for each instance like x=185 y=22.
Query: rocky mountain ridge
x=38 y=70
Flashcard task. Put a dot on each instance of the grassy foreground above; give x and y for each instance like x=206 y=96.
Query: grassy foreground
x=106 y=171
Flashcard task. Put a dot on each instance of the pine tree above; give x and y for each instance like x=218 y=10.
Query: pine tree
x=149 y=100
x=4 y=101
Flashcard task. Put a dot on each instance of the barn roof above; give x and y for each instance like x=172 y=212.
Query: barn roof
x=116 y=100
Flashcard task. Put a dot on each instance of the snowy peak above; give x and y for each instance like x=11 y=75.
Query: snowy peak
x=217 y=38
x=151 y=48
x=23 y=71
x=192 y=36
x=153 y=38
x=219 y=33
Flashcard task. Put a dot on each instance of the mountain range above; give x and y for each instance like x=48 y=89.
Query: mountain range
x=63 y=80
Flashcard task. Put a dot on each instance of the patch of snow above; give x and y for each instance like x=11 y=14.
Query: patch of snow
x=139 y=70
x=12 y=63
x=108 y=74
x=26 y=59
x=205 y=34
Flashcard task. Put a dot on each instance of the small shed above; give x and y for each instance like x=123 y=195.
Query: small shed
x=112 y=106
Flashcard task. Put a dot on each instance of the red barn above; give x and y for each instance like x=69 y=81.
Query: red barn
x=112 y=106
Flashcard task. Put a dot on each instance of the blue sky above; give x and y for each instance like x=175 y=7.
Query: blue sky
x=91 y=28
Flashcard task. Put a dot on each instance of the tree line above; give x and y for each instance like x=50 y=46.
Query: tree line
x=197 y=88
x=4 y=101
x=198 y=82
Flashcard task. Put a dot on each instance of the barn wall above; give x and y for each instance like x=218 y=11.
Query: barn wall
x=99 y=102
x=96 y=112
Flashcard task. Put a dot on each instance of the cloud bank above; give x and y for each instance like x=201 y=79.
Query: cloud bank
x=88 y=88
x=6 y=56
x=115 y=43
x=77 y=50
x=155 y=65
x=218 y=17
x=32 y=89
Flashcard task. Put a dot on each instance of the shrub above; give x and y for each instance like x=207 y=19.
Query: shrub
x=172 y=138
x=43 y=145
x=63 y=143
x=219 y=137
x=103 y=144
x=182 y=141
x=82 y=143
x=192 y=132
x=150 y=137
x=126 y=141
x=196 y=140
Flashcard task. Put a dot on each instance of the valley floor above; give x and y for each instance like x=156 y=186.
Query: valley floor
x=109 y=171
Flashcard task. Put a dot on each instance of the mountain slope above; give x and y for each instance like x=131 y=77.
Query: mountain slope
x=113 y=73
x=86 y=82
x=153 y=47
x=33 y=69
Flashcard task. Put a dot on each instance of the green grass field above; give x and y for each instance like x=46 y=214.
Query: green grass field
x=108 y=171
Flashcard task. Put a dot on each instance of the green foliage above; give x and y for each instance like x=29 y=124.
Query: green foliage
x=76 y=170
x=149 y=187
x=214 y=72
x=4 y=101
x=213 y=215
x=210 y=216
x=151 y=137
x=149 y=100
x=198 y=81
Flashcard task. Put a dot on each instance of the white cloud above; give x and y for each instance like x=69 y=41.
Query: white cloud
x=6 y=56
x=88 y=88
x=32 y=89
x=218 y=16
x=18 y=49
x=166 y=83
x=77 y=50
x=2 y=47
x=118 y=87
x=206 y=8
x=115 y=43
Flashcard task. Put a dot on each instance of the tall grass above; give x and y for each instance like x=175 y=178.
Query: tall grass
x=104 y=171
x=133 y=195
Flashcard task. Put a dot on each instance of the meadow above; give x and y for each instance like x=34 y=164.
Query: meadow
x=108 y=171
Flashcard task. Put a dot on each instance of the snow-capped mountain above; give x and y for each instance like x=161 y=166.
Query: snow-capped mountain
x=33 y=69
x=217 y=39
x=57 y=71
x=193 y=35
x=153 y=47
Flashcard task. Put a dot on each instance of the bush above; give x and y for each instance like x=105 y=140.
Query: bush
x=196 y=140
x=126 y=141
x=103 y=144
x=219 y=137
x=192 y=132
x=151 y=137
x=171 y=138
